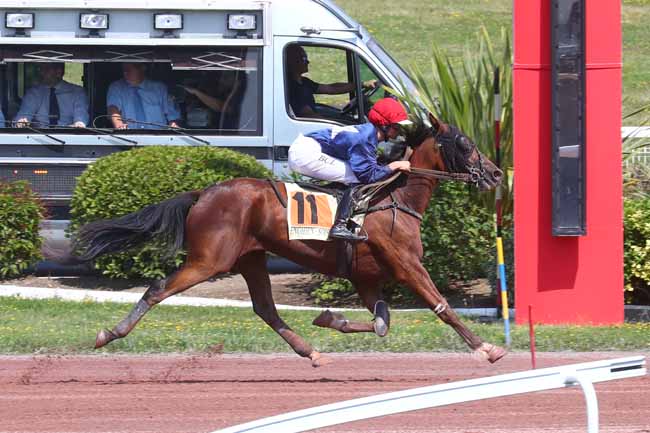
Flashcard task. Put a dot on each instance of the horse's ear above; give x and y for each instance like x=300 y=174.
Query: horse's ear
x=435 y=123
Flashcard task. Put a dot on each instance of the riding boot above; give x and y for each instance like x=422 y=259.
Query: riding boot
x=340 y=230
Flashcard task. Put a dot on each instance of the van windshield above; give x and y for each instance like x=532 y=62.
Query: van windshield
x=390 y=63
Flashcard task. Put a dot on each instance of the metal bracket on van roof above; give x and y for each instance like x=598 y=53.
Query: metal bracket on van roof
x=317 y=31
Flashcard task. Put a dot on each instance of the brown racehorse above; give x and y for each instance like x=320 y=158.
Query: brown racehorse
x=231 y=225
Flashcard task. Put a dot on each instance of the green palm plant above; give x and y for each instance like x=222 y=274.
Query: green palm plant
x=636 y=172
x=462 y=93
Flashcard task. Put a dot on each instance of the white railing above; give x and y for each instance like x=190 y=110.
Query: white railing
x=635 y=131
x=637 y=135
x=584 y=375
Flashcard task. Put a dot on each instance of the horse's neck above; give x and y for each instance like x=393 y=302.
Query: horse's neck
x=418 y=190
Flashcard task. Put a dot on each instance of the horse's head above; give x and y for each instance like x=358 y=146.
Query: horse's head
x=444 y=147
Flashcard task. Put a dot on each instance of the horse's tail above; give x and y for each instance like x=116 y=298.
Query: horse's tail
x=164 y=221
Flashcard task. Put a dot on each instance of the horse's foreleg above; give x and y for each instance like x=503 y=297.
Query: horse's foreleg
x=253 y=268
x=369 y=294
x=411 y=273
x=186 y=277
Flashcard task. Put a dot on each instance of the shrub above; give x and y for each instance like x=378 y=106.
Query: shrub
x=20 y=215
x=457 y=235
x=637 y=250
x=125 y=182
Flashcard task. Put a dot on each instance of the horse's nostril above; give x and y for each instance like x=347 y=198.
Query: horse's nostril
x=497 y=174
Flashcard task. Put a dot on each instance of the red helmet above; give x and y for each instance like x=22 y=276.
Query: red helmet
x=388 y=112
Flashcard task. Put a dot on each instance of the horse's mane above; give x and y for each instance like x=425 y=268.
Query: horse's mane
x=417 y=133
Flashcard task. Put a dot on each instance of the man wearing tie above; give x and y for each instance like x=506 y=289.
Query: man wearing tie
x=54 y=102
x=138 y=103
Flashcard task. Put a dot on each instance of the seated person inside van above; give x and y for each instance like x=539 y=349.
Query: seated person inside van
x=53 y=102
x=136 y=102
x=302 y=89
x=221 y=94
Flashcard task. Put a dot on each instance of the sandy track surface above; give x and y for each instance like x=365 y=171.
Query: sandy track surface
x=184 y=393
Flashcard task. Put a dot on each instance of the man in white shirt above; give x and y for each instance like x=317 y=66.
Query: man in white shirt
x=54 y=102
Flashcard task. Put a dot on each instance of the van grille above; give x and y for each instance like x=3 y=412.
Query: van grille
x=46 y=180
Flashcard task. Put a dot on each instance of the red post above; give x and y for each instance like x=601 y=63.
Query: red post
x=531 y=336
x=568 y=279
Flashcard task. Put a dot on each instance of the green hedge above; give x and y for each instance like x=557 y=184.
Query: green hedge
x=637 y=250
x=457 y=235
x=125 y=182
x=20 y=214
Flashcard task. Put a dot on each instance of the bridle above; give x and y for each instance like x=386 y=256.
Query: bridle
x=448 y=145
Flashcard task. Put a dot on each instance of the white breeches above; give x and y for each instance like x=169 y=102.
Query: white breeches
x=306 y=157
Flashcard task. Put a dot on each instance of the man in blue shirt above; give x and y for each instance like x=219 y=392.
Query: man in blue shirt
x=302 y=89
x=54 y=102
x=136 y=99
x=348 y=154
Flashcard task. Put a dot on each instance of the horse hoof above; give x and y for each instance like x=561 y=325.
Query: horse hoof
x=327 y=319
x=380 y=327
x=324 y=319
x=491 y=352
x=319 y=360
x=103 y=338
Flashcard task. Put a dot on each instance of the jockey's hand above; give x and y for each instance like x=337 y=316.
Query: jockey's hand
x=370 y=84
x=400 y=166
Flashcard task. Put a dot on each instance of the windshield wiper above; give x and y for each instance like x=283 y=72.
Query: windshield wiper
x=169 y=128
x=38 y=131
x=104 y=132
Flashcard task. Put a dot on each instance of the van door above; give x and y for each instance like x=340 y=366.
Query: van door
x=332 y=76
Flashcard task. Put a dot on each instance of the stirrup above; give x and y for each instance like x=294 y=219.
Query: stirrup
x=341 y=232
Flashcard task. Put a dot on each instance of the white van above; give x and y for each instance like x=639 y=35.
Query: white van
x=234 y=51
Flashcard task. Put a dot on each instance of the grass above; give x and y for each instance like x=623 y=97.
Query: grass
x=55 y=326
x=408 y=32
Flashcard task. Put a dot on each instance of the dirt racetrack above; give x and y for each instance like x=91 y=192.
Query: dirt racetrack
x=183 y=393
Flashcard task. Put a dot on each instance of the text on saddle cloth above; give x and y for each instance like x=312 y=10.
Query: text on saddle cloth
x=310 y=214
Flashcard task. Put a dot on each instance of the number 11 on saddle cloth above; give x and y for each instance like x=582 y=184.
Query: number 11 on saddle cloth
x=310 y=214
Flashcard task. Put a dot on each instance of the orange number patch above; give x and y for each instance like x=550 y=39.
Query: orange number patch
x=311 y=210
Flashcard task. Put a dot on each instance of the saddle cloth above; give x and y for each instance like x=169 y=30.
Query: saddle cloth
x=310 y=213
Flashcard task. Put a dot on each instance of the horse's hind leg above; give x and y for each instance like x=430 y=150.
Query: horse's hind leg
x=192 y=273
x=252 y=266
x=369 y=294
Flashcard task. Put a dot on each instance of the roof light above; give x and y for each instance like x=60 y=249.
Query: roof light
x=168 y=21
x=241 y=22
x=19 y=21
x=93 y=21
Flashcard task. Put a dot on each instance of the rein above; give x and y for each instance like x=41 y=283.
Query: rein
x=445 y=175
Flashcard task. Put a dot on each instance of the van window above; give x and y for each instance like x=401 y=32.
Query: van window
x=212 y=90
x=322 y=82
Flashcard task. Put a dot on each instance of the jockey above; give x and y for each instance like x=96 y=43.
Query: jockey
x=348 y=154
